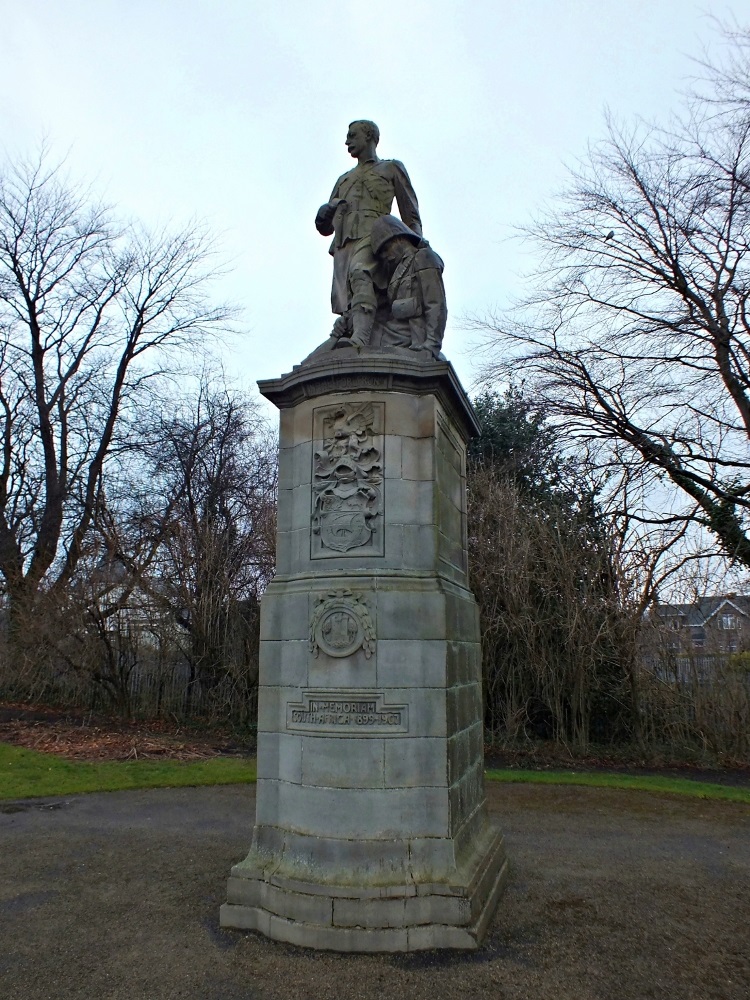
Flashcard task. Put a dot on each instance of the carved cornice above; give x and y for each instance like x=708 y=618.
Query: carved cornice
x=374 y=373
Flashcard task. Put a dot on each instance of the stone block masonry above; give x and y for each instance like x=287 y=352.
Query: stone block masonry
x=371 y=832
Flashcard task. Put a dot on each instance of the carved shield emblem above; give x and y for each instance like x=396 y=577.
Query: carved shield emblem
x=341 y=625
x=340 y=631
x=343 y=525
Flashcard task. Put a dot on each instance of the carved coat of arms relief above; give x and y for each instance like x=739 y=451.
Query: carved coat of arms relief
x=341 y=624
x=347 y=480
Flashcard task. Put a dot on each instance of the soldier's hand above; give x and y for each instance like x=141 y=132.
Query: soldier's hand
x=326 y=213
x=341 y=328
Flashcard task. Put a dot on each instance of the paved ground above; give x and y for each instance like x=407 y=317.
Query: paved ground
x=614 y=895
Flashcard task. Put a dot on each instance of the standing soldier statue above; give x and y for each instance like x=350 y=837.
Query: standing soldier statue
x=359 y=197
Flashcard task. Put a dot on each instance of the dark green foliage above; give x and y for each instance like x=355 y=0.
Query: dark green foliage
x=544 y=570
x=517 y=439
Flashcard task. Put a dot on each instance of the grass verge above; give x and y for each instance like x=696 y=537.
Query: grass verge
x=635 y=782
x=26 y=773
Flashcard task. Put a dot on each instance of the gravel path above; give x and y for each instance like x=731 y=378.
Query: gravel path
x=613 y=895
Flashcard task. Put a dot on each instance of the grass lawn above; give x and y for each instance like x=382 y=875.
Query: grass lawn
x=639 y=782
x=27 y=774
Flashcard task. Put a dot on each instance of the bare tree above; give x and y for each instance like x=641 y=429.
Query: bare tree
x=171 y=572
x=88 y=310
x=215 y=463
x=556 y=656
x=637 y=337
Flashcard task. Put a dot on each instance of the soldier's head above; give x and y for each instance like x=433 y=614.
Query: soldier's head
x=391 y=239
x=362 y=136
x=395 y=249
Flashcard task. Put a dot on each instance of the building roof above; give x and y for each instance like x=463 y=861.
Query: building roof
x=701 y=611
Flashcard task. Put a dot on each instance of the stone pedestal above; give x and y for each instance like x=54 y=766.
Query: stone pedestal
x=371 y=832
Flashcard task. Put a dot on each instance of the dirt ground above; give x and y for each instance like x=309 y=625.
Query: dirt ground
x=613 y=895
x=81 y=736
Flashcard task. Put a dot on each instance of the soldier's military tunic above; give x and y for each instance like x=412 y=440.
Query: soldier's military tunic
x=416 y=295
x=368 y=192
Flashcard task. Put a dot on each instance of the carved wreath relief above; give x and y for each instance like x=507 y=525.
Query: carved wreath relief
x=341 y=624
x=347 y=480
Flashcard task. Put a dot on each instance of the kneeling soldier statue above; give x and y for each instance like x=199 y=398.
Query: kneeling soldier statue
x=417 y=311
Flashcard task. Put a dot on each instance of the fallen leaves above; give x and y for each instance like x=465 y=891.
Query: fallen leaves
x=83 y=739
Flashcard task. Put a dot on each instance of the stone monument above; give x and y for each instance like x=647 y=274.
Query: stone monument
x=371 y=831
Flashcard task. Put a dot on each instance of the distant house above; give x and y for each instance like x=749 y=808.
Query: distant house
x=710 y=625
x=126 y=604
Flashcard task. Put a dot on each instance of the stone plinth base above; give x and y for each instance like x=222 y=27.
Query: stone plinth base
x=393 y=918
x=371 y=830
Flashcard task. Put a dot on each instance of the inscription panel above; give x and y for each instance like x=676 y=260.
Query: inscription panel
x=347 y=480
x=358 y=381
x=346 y=713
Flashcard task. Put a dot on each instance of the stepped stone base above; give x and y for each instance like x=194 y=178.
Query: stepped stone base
x=371 y=829
x=392 y=918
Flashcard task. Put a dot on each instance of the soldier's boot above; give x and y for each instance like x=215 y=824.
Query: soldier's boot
x=363 y=318
x=433 y=347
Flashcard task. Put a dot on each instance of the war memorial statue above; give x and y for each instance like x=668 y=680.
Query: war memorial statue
x=371 y=831
x=359 y=197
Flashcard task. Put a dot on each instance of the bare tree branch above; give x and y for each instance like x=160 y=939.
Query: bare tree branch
x=636 y=334
x=88 y=309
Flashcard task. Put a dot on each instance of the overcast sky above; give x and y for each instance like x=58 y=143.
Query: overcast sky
x=235 y=112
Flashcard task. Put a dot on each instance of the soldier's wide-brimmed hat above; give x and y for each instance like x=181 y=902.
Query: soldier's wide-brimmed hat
x=387 y=227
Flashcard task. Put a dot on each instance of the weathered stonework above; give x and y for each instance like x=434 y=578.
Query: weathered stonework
x=351 y=713
x=371 y=832
x=341 y=625
x=347 y=479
